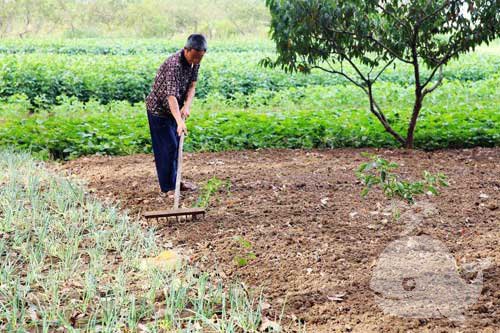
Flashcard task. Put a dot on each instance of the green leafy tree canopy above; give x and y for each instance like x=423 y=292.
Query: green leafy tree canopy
x=333 y=34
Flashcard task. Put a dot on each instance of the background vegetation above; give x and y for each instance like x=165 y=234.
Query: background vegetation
x=73 y=78
x=132 y=18
x=54 y=102
x=65 y=97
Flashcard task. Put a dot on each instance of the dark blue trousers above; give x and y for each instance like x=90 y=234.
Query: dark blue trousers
x=165 y=148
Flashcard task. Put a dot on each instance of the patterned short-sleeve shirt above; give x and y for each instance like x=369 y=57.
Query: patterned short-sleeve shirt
x=172 y=79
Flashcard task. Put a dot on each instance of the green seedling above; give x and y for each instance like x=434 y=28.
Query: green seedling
x=378 y=172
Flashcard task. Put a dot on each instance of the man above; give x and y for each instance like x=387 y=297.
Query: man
x=168 y=105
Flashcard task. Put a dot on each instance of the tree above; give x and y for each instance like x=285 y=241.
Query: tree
x=142 y=18
x=246 y=16
x=332 y=34
x=7 y=12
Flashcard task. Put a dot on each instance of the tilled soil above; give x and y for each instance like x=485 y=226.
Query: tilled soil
x=316 y=240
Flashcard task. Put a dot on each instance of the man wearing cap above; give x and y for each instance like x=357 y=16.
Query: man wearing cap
x=168 y=105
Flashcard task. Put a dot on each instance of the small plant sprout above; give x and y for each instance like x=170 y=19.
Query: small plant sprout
x=209 y=189
x=378 y=172
x=245 y=254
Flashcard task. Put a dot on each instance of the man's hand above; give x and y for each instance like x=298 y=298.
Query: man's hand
x=185 y=112
x=181 y=128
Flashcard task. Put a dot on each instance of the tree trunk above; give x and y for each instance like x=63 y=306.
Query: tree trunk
x=375 y=109
x=418 y=91
x=413 y=122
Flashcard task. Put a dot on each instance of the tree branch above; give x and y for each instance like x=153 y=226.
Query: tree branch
x=374 y=108
x=434 y=12
x=404 y=24
x=439 y=81
x=368 y=82
x=355 y=67
x=383 y=69
x=380 y=116
x=332 y=71
x=394 y=54
x=440 y=64
x=373 y=67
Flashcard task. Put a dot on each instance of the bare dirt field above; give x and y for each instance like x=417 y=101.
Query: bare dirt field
x=316 y=240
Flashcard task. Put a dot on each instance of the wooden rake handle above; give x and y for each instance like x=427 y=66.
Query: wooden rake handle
x=177 y=193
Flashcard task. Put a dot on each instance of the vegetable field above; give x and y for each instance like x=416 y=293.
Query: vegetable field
x=55 y=102
x=298 y=216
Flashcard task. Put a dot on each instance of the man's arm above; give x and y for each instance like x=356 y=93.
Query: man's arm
x=189 y=99
x=174 y=108
x=166 y=92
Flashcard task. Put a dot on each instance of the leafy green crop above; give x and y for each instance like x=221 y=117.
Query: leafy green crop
x=123 y=46
x=458 y=115
x=379 y=173
x=43 y=77
x=67 y=104
x=71 y=262
x=209 y=189
x=244 y=254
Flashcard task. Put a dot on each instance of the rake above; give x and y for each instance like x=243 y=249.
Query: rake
x=194 y=212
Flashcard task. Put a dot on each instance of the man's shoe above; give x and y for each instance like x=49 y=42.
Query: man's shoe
x=188 y=186
x=168 y=194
